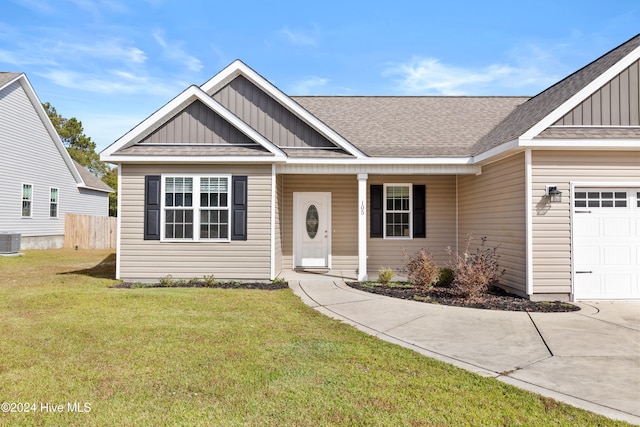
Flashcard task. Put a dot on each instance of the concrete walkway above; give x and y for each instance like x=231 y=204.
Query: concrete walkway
x=589 y=359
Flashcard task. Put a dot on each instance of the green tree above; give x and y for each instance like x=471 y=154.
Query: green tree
x=81 y=148
x=111 y=179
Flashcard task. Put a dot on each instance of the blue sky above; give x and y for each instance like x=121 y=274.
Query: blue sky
x=111 y=63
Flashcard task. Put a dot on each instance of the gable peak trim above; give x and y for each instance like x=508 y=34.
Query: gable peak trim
x=23 y=81
x=173 y=107
x=585 y=92
x=237 y=68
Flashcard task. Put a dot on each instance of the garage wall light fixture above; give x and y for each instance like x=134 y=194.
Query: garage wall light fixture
x=554 y=195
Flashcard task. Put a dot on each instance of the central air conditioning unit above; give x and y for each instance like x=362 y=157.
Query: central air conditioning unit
x=9 y=242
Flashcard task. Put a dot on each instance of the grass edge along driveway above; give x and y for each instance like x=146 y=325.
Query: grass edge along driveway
x=79 y=352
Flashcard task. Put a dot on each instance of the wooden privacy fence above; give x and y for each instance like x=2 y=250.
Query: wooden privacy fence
x=89 y=231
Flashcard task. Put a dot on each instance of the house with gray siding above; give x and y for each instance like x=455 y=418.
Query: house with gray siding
x=40 y=181
x=236 y=178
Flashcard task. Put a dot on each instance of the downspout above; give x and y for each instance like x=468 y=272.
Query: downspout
x=529 y=220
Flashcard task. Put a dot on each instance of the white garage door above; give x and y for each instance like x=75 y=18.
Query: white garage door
x=606 y=238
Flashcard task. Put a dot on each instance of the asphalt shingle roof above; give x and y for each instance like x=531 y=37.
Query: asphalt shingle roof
x=528 y=114
x=90 y=180
x=416 y=126
x=5 y=77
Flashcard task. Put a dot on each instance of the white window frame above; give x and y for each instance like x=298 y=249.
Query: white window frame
x=385 y=211
x=57 y=201
x=195 y=207
x=22 y=200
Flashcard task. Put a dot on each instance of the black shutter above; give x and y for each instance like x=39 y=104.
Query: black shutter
x=152 y=207
x=239 y=208
x=419 y=212
x=376 y=211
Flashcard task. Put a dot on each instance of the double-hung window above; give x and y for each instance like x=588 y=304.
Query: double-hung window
x=397 y=211
x=178 y=205
x=27 y=198
x=196 y=207
x=53 y=203
x=214 y=208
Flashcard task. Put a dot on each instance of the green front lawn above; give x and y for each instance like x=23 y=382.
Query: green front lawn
x=199 y=356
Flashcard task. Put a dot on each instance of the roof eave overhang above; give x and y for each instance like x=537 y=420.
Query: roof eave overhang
x=120 y=159
x=102 y=190
x=521 y=144
x=440 y=165
x=582 y=144
x=387 y=161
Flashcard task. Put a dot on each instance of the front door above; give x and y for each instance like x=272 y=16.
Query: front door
x=311 y=230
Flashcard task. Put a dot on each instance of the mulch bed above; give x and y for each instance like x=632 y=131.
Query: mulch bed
x=266 y=286
x=494 y=299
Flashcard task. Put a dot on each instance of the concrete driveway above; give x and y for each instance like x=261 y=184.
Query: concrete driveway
x=589 y=359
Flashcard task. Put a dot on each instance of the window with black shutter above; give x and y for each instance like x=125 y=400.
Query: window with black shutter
x=397 y=211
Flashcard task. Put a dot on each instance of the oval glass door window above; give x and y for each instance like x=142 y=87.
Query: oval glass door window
x=312 y=221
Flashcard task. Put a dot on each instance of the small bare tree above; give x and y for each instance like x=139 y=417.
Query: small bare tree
x=421 y=269
x=475 y=272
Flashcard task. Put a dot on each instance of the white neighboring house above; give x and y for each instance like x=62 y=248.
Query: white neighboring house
x=39 y=182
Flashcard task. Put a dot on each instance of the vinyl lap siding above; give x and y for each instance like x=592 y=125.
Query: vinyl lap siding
x=552 y=222
x=26 y=150
x=441 y=223
x=492 y=205
x=152 y=259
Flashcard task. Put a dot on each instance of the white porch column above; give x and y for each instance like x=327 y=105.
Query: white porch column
x=362 y=226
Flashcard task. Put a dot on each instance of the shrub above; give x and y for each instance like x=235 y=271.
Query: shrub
x=421 y=269
x=209 y=280
x=446 y=277
x=279 y=281
x=475 y=272
x=167 y=281
x=142 y=285
x=385 y=275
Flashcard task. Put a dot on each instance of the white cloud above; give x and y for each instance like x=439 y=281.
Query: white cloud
x=174 y=52
x=300 y=37
x=430 y=76
x=20 y=59
x=526 y=70
x=115 y=81
x=311 y=85
x=114 y=49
